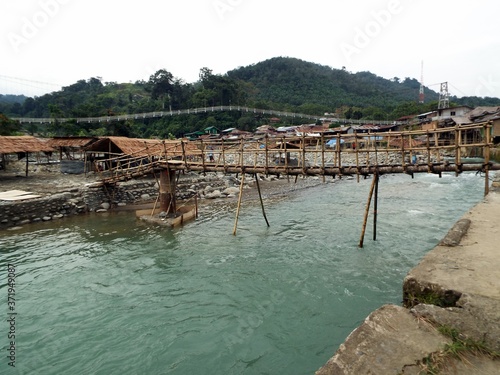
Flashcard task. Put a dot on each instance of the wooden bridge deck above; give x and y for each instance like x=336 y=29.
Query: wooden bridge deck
x=429 y=151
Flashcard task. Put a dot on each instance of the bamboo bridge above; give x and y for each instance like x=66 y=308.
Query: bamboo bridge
x=359 y=154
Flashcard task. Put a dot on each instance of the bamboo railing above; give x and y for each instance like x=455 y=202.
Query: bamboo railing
x=418 y=151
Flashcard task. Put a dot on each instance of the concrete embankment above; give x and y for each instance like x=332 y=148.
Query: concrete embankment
x=450 y=323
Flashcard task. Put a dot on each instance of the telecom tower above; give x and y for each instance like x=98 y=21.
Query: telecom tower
x=444 y=96
x=421 y=91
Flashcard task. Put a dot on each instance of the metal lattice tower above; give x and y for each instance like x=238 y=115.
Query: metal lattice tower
x=444 y=96
x=421 y=91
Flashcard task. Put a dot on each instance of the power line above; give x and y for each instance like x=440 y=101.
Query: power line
x=17 y=79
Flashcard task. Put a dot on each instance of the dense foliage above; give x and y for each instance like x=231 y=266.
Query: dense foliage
x=279 y=83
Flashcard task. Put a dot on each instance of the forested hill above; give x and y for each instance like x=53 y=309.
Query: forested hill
x=280 y=83
x=297 y=82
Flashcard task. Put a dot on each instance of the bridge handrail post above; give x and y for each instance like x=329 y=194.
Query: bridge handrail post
x=266 y=139
x=184 y=155
x=202 y=147
x=283 y=141
x=458 y=141
x=338 y=148
x=436 y=145
x=368 y=151
x=223 y=155
x=356 y=150
x=428 y=145
x=241 y=155
x=323 y=155
x=403 y=162
x=486 y=155
x=303 y=141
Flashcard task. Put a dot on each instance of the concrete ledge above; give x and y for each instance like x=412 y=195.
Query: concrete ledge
x=390 y=341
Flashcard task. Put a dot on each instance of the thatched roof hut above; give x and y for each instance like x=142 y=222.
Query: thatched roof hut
x=66 y=145
x=19 y=144
x=22 y=145
x=71 y=142
x=138 y=147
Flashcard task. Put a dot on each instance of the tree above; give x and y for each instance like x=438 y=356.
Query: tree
x=161 y=85
x=8 y=126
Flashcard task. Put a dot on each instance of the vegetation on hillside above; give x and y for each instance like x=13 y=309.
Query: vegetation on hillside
x=279 y=83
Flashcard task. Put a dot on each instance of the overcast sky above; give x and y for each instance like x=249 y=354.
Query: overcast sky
x=45 y=43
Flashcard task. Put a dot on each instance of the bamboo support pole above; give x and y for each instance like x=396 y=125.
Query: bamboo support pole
x=267 y=152
x=487 y=134
x=428 y=146
x=356 y=149
x=368 y=150
x=184 y=158
x=323 y=155
x=239 y=203
x=260 y=198
x=436 y=145
x=241 y=153
x=223 y=154
x=27 y=163
x=457 y=150
x=202 y=146
x=367 y=210
x=339 y=161
x=154 y=206
x=375 y=206
x=303 y=146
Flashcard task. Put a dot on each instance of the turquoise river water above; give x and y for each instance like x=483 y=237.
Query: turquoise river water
x=111 y=295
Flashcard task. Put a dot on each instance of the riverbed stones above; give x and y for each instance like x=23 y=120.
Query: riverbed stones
x=214 y=194
x=231 y=191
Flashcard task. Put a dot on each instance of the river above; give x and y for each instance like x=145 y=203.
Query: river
x=111 y=295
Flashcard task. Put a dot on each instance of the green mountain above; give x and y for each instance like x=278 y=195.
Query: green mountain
x=280 y=83
x=295 y=82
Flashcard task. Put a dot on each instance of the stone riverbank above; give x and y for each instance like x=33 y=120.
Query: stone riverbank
x=68 y=195
x=450 y=323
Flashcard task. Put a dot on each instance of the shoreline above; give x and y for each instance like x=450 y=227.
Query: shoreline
x=61 y=195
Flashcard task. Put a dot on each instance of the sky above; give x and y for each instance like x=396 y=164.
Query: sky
x=48 y=44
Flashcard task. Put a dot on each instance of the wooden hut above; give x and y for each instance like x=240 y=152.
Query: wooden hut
x=71 y=148
x=23 y=146
x=106 y=152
